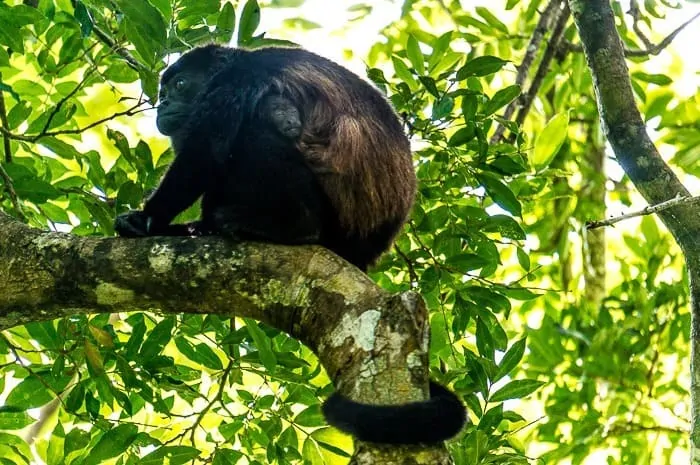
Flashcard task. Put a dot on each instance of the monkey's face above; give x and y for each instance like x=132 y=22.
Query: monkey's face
x=177 y=96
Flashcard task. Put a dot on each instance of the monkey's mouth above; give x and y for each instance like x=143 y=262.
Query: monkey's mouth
x=170 y=123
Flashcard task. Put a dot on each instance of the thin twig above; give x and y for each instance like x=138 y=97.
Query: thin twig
x=411 y=270
x=118 y=49
x=65 y=98
x=129 y=112
x=636 y=14
x=523 y=70
x=550 y=52
x=648 y=210
x=653 y=49
x=5 y=124
x=10 y=188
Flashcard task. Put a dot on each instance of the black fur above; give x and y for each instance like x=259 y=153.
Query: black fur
x=426 y=422
x=287 y=147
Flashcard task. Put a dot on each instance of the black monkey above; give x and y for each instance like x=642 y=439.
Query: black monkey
x=288 y=147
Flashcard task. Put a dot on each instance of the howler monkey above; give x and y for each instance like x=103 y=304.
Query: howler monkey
x=288 y=147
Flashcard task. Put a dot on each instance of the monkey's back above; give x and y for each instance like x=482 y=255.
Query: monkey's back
x=352 y=139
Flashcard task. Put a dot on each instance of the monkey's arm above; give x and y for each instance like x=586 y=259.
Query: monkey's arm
x=184 y=182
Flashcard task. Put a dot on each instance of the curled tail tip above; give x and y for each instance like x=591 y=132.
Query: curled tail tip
x=425 y=422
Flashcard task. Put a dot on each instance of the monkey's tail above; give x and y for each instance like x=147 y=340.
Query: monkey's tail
x=430 y=421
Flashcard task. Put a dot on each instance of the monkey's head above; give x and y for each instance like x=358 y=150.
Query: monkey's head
x=183 y=81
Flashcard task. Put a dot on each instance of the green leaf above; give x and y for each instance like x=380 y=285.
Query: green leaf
x=18 y=114
x=173 y=455
x=113 y=443
x=440 y=46
x=506 y=226
x=165 y=7
x=470 y=104
x=311 y=452
x=60 y=148
x=443 y=108
x=491 y=19
x=310 y=416
x=403 y=73
x=523 y=259
x=550 y=140
x=31 y=392
x=500 y=193
x=429 y=84
x=200 y=353
x=143 y=44
x=226 y=23
x=21 y=15
x=226 y=457
x=18 y=445
x=250 y=20
x=262 y=342
x=466 y=262
x=7 y=88
x=415 y=56
x=35 y=190
x=145 y=17
x=480 y=66
x=462 y=136
x=511 y=359
x=484 y=340
x=13 y=420
x=502 y=98
x=491 y=419
x=158 y=339
x=10 y=34
x=44 y=332
x=658 y=79
x=76 y=440
x=516 y=390
x=477 y=373
x=82 y=15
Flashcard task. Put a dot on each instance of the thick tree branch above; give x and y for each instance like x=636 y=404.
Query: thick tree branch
x=623 y=124
x=363 y=336
x=642 y=162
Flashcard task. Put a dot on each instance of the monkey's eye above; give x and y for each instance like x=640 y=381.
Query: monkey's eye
x=180 y=83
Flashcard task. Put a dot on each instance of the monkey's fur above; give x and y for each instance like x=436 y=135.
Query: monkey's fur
x=289 y=147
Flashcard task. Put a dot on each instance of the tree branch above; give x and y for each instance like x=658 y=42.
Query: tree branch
x=642 y=162
x=133 y=110
x=550 y=52
x=648 y=210
x=529 y=58
x=5 y=124
x=652 y=49
x=118 y=49
x=363 y=336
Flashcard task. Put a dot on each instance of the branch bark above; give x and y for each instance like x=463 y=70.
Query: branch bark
x=524 y=69
x=372 y=344
x=642 y=162
x=622 y=122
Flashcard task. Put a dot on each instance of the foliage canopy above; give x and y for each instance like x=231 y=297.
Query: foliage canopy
x=555 y=360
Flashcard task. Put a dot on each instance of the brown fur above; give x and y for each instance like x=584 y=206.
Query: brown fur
x=363 y=164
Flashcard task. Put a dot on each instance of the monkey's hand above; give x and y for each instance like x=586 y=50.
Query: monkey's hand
x=135 y=223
